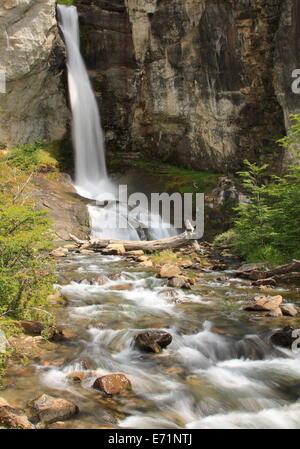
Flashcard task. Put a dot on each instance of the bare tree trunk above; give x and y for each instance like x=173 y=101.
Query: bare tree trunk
x=177 y=241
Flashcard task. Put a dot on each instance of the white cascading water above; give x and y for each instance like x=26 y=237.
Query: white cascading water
x=91 y=180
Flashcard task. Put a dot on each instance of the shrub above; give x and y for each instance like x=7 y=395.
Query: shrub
x=268 y=226
x=226 y=238
x=33 y=157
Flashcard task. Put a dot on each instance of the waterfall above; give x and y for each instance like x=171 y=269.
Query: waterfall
x=90 y=166
x=91 y=180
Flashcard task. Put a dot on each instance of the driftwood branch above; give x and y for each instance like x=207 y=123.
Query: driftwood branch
x=177 y=241
x=284 y=273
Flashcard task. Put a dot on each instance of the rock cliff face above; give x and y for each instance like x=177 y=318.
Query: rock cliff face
x=32 y=56
x=203 y=83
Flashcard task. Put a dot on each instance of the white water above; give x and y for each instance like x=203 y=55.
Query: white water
x=90 y=167
x=91 y=180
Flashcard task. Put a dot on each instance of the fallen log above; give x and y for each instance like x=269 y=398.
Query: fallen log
x=177 y=241
x=290 y=270
x=285 y=278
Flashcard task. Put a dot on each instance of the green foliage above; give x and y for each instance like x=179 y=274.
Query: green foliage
x=33 y=157
x=26 y=272
x=65 y=2
x=226 y=238
x=268 y=226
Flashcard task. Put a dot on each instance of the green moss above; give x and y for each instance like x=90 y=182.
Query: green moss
x=172 y=178
x=65 y=2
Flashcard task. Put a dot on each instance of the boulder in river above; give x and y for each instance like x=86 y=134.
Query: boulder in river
x=13 y=418
x=284 y=337
x=113 y=384
x=275 y=312
x=169 y=271
x=59 y=252
x=289 y=310
x=77 y=376
x=264 y=303
x=152 y=341
x=50 y=409
x=179 y=282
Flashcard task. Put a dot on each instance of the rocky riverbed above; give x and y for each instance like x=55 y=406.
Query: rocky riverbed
x=133 y=351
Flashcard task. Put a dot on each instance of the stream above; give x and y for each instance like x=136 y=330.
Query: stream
x=220 y=371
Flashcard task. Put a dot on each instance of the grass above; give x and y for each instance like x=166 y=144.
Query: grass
x=65 y=2
x=35 y=157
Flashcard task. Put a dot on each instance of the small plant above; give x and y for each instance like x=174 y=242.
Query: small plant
x=65 y=2
x=33 y=157
x=226 y=238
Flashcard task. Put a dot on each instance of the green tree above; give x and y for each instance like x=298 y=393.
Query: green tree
x=268 y=226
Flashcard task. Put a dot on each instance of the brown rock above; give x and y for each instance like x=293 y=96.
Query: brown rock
x=289 y=310
x=121 y=287
x=114 y=249
x=275 y=312
x=169 y=271
x=113 y=384
x=179 y=282
x=146 y=263
x=59 y=252
x=264 y=303
x=50 y=409
x=13 y=418
x=31 y=327
x=135 y=253
x=152 y=341
x=186 y=264
x=143 y=258
x=77 y=376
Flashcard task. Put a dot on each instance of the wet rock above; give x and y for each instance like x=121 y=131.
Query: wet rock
x=275 y=312
x=173 y=296
x=59 y=252
x=36 y=328
x=50 y=409
x=86 y=251
x=152 y=341
x=121 y=287
x=31 y=327
x=113 y=384
x=264 y=303
x=114 y=276
x=82 y=363
x=169 y=271
x=289 y=310
x=219 y=267
x=114 y=249
x=98 y=281
x=179 y=282
x=13 y=418
x=284 y=337
x=35 y=348
x=222 y=278
x=77 y=376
